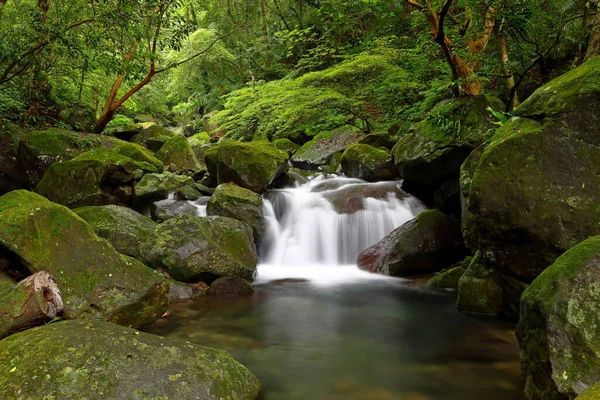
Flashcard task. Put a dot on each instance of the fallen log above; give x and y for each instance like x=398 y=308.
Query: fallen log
x=31 y=302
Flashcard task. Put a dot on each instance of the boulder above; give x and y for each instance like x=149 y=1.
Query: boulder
x=428 y=243
x=232 y=201
x=94 y=178
x=591 y=393
x=153 y=137
x=230 y=287
x=480 y=288
x=200 y=142
x=166 y=209
x=286 y=145
x=39 y=150
x=95 y=280
x=75 y=359
x=368 y=163
x=449 y=279
x=124 y=132
x=318 y=151
x=124 y=228
x=192 y=249
x=177 y=155
x=467 y=170
x=533 y=193
x=558 y=329
x=181 y=291
x=379 y=139
x=433 y=151
x=254 y=166
x=154 y=187
x=80 y=117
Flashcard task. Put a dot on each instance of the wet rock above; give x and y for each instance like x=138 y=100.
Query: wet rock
x=123 y=227
x=558 y=329
x=70 y=357
x=192 y=249
x=95 y=280
x=230 y=287
x=232 y=201
x=430 y=242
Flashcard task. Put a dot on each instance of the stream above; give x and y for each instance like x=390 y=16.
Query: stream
x=319 y=328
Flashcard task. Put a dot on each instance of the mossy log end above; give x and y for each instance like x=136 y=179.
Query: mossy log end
x=31 y=302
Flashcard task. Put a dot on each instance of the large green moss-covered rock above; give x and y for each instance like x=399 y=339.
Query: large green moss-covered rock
x=318 y=151
x=124 y=228
x=254 y=166
x=480 y=288
x=467 y=170
x=95 y=280
x=558 y=329
x=449 y=279
x=153 y=137
x=94 y=178
x=153 y=187
x=534 y=191
x=432 y=153
x=368 y=163
x=232 y=201
x=39 y=150
x=200 y=142
x=177 y=155
x=192 y=248
x=286 y=145
x=591 y=393
x=430 y=242
x=74 y=360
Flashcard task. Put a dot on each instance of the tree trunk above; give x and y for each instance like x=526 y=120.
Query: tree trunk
x=509 y=81
x=32 y=302
x=594 y=43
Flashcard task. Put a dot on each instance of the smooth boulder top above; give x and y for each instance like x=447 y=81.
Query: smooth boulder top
x=96 y=360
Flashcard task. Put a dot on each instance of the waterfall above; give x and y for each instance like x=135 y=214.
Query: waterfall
x=319 y=226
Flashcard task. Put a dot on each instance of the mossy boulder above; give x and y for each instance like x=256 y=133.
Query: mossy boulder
x=254 y=166
x=591 y=393
x=154 y=187
x=97 y=360
x=558 y=329
x=153 y=137
x=232 y=201
x=286 y=145
x=40 y=149
x=200 y=142
x=368 y=163
x=124 y=228
x=430 y=242
x=177 y=155
x=434 y=150
x=95 y=280
x=80 y=117
x=467 y=170
x=94 y=178
x=192 y=249
x=379 y=139
x=166 y=209
x=449 y=278
x=480 y=288
x=318 y=151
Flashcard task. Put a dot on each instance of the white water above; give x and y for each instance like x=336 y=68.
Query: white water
x=309 y=238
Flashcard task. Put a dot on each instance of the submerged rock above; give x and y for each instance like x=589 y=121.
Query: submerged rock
x=254 y=166
x=95 y=280
x=319 y=151
x=98 y=360
x=430 y=242
x=192 y=249
x=232 y=201
x=94 y=178
x=558 y=329
x=124 y=228
x=230 y=287
x=368 y=163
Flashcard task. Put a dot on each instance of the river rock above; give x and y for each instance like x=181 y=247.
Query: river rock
x=534 y=192
x=166 y=209
x=94 y=178
x=95 y=280
x=178 y=156
x=368 y=163
x=154 y=187
x=124 y=228
x=232 y=201
x=434 y=150
x=39 y=150
x=254 y=166
x=230 y=287
x=97 y=360
x=558 y=329
x=428 y=243
x=192 y=249
x=153 y=137
x=318 y=151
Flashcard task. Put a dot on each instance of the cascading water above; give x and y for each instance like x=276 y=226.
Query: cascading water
x=317 y=230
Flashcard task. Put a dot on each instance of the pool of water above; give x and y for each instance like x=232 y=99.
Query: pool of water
x=373 y=339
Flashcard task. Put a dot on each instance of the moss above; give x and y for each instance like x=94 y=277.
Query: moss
x=591 y=393
x=178 y=152
x=153 y=137
x=319 y=150
x=286 y=145
x=93 y=278
x=153 y=187
x=72 y=358
x=369 y=163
